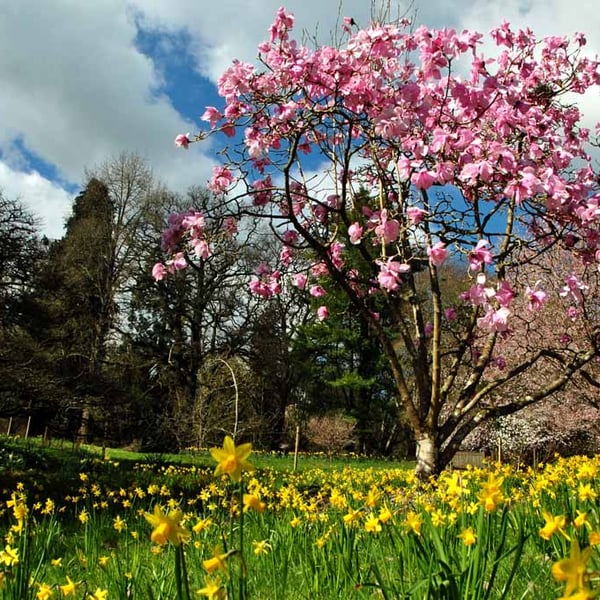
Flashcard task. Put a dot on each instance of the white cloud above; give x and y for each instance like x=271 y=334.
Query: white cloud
x=48 y=201
x=76 y=90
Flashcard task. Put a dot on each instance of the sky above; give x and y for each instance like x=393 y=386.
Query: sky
x=83 y=80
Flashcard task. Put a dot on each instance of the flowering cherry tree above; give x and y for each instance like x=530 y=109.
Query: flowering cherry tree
x=394 y=155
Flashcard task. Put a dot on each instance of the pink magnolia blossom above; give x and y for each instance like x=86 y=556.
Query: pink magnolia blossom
x=423 y=180
x=495 y=320
x=300 y=280
x=415 y=214
x=565 y=339
x=450 y=314
x=179 y=261
x=388 y=229
x=504 y=294
x=260 y=288
x=355 y=232
x=500 y=363
x=322 y=313
x=182 y=140
x=319 y=269
x=159 y=271
x=212 y=115
x=478 y=294
x=221 y=179
x=201 y=248
x=317 y=291
x=480 y=255
x=290 y=237
x=390 y=273
x=230 y=226
x=574 y=287
x=537 y=298
x=286 y=255
x=437 y=253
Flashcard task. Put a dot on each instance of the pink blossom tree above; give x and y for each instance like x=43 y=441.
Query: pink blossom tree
x=394 y=154
x=567 y=420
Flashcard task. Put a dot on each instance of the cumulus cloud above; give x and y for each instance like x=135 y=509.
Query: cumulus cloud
x=77 y=87
x=49 y=202
x=76 y=91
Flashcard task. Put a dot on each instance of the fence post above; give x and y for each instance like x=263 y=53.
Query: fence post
x=28 y=424
x=296 y=447
x=9 y=426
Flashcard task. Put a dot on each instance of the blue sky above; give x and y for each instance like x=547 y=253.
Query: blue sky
x=84 y=80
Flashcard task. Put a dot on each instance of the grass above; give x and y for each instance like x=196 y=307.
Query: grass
x=345 y=527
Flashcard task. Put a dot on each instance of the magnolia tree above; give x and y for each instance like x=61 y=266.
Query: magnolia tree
x=392 y=154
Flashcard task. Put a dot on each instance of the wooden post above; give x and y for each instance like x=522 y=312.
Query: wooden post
x=296 y=447
x=9 y=426
x=28 y=424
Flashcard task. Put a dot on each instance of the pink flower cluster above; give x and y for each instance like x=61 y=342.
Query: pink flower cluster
x=499 y=135
x=267 y=283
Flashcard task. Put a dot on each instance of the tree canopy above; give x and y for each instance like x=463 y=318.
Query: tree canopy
x=470 y=158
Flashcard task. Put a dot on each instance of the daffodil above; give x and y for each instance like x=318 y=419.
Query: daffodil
x=553 y=525
x=253 y=502
x=216 y=562
x=261 y=547
x=467 y=536
x=69 y=589
x=119 y=524
x=213 y=589
x=99 y=594
x=167 y=527
x=45 y=592
x=491 y=495
x=232 y=459
x=201 y=525
x=295 y=521
x=9 y=556
x=413 y=522
x=572 y=570
x=372 y=524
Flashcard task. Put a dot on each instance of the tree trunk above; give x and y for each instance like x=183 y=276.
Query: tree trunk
x=427 y=456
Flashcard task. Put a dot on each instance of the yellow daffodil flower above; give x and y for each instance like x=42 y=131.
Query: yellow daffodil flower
x=252 y=502
x=553 y=525
x=232 y=459
x=45 y=592
x=167 y=527
x=467 y=536
x=216 y=562
x=261 y=547
x=99 y=594
x=213 y=589
x=69 y=589
x=572 y=570
x=372 y=524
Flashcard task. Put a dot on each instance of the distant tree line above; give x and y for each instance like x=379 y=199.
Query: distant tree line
x=92 y=347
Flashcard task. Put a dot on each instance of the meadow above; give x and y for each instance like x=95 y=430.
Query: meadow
x=238 y=524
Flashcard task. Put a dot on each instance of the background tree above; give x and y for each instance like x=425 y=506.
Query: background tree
x=471 y=167
x=75 y=298
x=178 y=327
x=28 y=385
x=568 y=420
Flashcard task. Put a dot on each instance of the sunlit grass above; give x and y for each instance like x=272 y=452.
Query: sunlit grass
x=350 y=527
